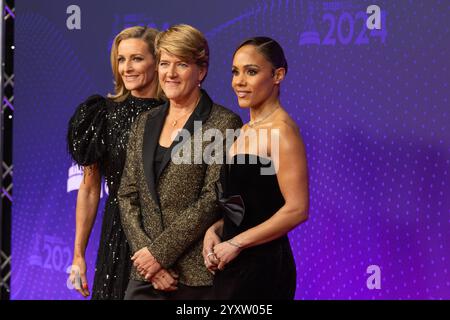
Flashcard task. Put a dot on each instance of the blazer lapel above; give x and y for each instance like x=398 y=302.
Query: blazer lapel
x=201 y=113
x=152 y=132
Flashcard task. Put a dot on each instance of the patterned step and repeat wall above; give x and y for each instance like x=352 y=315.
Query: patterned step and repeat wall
x=372 y=105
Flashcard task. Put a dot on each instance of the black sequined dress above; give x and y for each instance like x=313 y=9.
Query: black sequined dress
x=98 y=133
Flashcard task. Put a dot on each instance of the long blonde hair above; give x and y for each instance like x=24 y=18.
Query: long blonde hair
x=137 y=32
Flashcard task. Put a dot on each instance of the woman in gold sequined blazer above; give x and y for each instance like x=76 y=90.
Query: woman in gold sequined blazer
x=167 y=193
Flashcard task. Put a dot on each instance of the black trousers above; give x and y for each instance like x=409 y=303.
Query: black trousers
x=140 y=290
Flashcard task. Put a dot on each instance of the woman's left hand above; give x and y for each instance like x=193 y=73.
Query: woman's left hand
x=210 y=240
x=165 y=280
x=225 y=253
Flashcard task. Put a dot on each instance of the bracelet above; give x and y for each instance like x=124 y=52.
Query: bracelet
x=234 y=244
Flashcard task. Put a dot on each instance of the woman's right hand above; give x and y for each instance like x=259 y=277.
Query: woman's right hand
x=86 y=210
x=78 y=276
x=209 y=241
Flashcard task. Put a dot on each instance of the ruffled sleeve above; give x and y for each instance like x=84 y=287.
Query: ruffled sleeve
x=85 y=135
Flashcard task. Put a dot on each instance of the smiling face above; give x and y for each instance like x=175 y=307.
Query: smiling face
x=178 y=78
x=255 y=80
x=136 y=67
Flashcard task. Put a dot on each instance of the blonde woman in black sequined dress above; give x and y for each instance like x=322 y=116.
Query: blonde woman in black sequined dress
x=97 y=139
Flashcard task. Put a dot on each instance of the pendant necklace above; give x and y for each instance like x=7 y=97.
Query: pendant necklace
x=174 y=122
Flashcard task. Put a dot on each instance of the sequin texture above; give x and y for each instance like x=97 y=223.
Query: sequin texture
x=98 y=133
x=172 y=230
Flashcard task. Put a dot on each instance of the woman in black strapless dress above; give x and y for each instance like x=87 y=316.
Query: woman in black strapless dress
x=263 y=188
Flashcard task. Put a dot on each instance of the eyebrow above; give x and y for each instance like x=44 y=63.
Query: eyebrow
x=133 y=55
x=178 y=61
x=249 y=66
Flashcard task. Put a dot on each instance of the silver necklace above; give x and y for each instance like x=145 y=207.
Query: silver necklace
x=251 y=124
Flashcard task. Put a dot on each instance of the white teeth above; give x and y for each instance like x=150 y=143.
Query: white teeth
x=242 y=94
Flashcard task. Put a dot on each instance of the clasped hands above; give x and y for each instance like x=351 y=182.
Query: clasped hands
x=149 y=268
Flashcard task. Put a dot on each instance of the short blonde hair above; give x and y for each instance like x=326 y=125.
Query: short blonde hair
x=146 y=34
x=185 y=42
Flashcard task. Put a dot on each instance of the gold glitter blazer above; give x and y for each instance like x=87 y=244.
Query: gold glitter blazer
x=170 y=211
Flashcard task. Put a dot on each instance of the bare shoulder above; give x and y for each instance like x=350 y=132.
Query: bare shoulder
x=288 y=143
x=287 y=128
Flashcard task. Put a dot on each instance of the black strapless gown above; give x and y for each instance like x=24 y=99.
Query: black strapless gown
x=266 y=271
